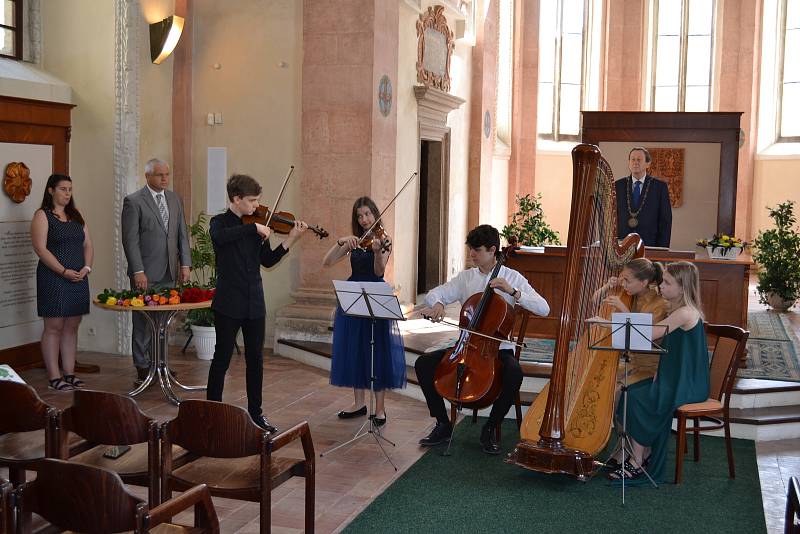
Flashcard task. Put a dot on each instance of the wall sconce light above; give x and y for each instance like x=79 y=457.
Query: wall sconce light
x=164 y=37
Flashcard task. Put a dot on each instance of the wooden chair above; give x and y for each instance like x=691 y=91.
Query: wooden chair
x=233 y=457
x=104 y=419
x=730 y=343
x=85 y=498
x=29 y=428
x=521 y=316
x=6 y=510
x=792 y=523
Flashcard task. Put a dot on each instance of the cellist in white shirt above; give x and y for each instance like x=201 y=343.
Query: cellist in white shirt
x=484 y=246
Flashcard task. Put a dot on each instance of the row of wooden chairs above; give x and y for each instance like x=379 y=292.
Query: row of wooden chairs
x=209 y=443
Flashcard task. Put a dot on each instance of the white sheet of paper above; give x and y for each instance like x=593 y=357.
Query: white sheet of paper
x=382 y=301
x=641 y=330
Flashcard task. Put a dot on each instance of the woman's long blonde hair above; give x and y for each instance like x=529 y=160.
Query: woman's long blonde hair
x=688 y=278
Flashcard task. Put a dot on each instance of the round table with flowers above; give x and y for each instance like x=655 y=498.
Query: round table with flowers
x=159 y=318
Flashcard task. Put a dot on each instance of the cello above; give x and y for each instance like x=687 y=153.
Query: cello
x=469 y=374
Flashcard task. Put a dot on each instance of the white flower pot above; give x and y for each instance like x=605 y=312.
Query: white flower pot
x=204 y=339
x=719 y=253
x=778 y=304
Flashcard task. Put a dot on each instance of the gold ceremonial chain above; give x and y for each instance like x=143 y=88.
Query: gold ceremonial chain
x=633 y=222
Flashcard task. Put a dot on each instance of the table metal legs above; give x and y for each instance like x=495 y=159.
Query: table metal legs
x=159 y=322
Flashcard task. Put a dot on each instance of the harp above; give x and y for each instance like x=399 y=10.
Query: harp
x=569 y=422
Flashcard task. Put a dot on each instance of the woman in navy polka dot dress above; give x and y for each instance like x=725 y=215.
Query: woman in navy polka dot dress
x=61 y=240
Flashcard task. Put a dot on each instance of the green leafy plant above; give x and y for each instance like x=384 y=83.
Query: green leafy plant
x=204 y=270
x=528 y=226
x=777 y=252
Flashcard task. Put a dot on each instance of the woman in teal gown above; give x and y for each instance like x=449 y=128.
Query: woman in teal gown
x=682 y=376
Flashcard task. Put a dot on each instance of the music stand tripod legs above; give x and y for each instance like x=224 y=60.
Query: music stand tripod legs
x=369 y=427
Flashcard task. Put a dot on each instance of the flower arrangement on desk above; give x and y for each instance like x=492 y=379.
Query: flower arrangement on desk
x=723 y=246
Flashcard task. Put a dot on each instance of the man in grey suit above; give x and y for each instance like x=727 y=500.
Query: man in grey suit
x=155 y=237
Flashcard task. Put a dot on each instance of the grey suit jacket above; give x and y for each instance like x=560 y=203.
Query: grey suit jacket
x=148 y=246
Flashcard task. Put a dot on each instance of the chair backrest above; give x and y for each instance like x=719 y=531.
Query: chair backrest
x=214 y=429
x=730 y=345
x=80 y=498
x=106 y=418
x=792 y=526
x=21 y=408
x=521 y=316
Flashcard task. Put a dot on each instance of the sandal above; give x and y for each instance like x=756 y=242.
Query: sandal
x=629 y=472
x=59 y=385
x=74 y=381
x=612 y=464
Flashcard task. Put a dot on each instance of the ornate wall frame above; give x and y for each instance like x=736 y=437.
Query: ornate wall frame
x=435 y=45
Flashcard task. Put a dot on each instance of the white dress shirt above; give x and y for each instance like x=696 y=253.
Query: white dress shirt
x=472 y=281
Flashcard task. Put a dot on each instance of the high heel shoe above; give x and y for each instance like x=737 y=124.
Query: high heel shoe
x=380 y=421
x=350 y=415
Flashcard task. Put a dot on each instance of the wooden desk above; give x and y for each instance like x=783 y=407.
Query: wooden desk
x=723 y=284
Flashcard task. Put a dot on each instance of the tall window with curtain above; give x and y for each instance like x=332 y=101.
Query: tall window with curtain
x=788 y=98
x=682 y=55
x=563 y=56
x=11 y=29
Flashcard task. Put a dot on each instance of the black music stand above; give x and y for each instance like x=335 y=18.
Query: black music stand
x=372 y=300
x=623 y=439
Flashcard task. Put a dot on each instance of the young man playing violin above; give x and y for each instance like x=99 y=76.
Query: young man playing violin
x=241 y=249
x=484 y=246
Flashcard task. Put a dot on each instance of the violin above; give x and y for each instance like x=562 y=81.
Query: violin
x=470 y=373
x=377 y=232
x=281 y=222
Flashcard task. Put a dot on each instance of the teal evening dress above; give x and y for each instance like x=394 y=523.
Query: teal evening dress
x=682 y=377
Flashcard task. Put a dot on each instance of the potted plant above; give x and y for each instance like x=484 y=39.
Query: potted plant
x=200 y=322
x=528 y=226
x=777 y=252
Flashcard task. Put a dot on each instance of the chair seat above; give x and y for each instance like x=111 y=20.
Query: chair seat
x=231 y=473
x=23 y=447
x=710 y=405
x=133 y=462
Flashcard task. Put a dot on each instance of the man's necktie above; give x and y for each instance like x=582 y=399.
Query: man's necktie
x=637 y=191
x=162 y=207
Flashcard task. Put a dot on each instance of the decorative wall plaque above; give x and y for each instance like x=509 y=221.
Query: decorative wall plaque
x=385 y=95
x=435 y=45
x=17 y=181
x=668 y=164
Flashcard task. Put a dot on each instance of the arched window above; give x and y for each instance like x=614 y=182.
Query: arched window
x=682 y=52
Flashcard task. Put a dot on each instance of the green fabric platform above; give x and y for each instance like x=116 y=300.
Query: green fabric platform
x=474 y=492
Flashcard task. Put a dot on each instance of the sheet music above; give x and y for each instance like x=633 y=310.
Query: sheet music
x=379 y=297
x=641 y=331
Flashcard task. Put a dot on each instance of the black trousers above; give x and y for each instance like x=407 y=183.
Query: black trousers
x=253 y=332
x=425 y=366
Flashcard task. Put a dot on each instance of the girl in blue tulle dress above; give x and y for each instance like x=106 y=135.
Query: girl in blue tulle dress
x=350 y=364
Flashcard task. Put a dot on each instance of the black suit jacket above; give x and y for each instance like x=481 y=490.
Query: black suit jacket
x=655 y=217
x=240 y=253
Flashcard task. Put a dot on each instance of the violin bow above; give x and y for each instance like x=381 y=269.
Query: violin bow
x=378 y=218
x=280 y=194
x=481 y=334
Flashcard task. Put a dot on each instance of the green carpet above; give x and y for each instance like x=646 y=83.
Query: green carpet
x=474 y=492
x=772 y=349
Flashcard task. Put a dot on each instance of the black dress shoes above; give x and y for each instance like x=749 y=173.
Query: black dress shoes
x=262 y=423
x=489 y=440
x=380 y=421
x=440 y=434
x=350 y=415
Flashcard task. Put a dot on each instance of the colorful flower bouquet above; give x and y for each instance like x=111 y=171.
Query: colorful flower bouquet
x=723 y=246
x=155 y=296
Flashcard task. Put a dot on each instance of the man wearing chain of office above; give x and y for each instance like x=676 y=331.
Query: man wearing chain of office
x=643 y=203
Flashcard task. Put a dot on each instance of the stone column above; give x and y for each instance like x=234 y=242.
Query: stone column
x=522 y=167
x=348 y=147
x=483 y=105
